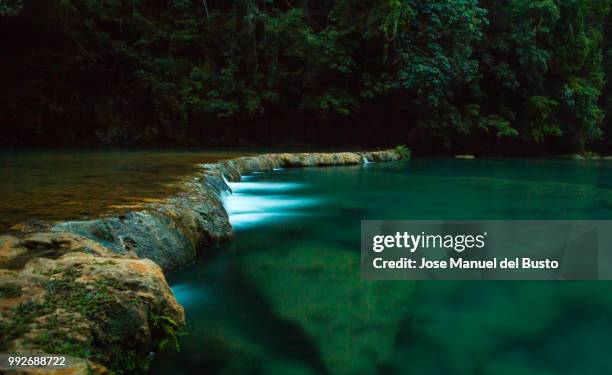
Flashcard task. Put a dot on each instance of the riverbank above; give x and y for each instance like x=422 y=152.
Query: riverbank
x=96 y=290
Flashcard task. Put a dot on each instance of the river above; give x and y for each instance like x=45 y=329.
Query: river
x=65 y=185
x=286 y=297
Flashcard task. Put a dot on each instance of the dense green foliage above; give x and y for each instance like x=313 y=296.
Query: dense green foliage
x=435 y=75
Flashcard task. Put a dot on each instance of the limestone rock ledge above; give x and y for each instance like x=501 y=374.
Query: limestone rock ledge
x=96 y=290
x=74 y=297
x=232 y=169
x=171 y=232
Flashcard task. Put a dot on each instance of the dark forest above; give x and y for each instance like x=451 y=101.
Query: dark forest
x=489 y=76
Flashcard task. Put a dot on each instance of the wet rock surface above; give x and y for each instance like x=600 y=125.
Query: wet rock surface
x=95 y=290
x=105 y=310
x=234 y=168
x=171 y=232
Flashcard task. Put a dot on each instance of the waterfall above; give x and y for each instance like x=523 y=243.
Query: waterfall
x=254 y=203
x=365 y=160
x=227 y=183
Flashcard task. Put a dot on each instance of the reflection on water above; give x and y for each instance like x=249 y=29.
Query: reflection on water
x=70 y=185
x=286 y=296
x=189 y=294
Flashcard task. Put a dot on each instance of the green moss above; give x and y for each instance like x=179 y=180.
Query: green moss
x=18 y=322
x=10 y=291
x=403 y=151
x=55 y=340
x=114 y=322
x=128 y=362
x=90 y=303
x=170 y=330
x=51 y=341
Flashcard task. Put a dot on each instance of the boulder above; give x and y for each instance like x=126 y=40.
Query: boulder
x=102 y=309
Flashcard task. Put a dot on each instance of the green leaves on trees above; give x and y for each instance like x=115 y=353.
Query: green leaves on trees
x=528 y=70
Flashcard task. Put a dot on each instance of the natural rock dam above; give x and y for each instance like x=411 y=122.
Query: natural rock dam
x=95 y=289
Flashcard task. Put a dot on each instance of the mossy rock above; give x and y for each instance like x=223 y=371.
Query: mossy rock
x=109 y=311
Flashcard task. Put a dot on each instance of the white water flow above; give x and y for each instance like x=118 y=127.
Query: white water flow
x=365 y=160
x=225 y=180
x=254 y=203
x=248 y=203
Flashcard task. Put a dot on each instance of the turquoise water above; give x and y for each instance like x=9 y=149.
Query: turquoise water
x=286 y=297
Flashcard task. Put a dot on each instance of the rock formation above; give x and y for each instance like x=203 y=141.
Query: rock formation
x=95 y=290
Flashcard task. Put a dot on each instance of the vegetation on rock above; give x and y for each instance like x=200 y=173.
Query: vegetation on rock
x=108 y=310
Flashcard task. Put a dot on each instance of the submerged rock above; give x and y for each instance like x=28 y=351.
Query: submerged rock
x=352 y=323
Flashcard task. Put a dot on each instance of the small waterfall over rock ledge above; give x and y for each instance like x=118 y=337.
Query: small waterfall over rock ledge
x=133 y=251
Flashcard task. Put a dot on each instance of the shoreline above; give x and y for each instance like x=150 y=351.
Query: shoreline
x=105 y=273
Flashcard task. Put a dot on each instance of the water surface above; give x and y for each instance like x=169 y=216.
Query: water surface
x=286 y=297
x=60 y=185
